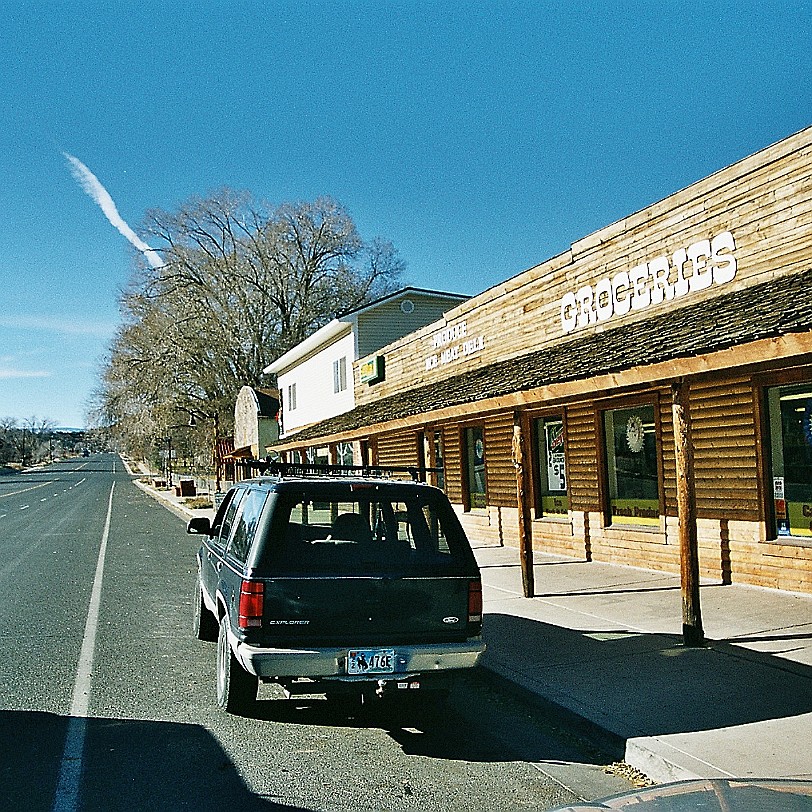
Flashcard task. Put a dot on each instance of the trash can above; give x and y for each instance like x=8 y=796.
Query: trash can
x=187 y=488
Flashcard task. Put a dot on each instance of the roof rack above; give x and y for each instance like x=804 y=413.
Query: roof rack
x=303 y=469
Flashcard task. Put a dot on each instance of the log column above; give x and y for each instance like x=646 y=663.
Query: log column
x=522 y=466
x=692 y=633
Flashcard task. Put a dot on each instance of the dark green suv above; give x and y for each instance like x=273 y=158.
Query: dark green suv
x=344 y=585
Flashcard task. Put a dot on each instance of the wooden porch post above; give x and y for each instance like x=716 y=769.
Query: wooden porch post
x=692 y=633
x=520 y=463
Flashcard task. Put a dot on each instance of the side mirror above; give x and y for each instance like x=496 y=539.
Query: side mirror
x=199 y=526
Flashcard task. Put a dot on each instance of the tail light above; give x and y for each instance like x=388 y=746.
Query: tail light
x=252 y=594
x=475 y=601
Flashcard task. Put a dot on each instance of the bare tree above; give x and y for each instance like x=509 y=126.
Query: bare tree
x=241 y=283
x=9 y=439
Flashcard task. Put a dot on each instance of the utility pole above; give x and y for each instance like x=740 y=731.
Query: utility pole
x=168 y=441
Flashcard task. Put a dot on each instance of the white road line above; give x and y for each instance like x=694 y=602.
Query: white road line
x=24 y=507
x=24 y=490
x=66 y=798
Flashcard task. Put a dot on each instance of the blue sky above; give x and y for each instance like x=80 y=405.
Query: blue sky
x=481 y=138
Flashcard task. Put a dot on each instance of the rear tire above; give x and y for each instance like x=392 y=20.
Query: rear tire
x=204 y=624
x=236 y=688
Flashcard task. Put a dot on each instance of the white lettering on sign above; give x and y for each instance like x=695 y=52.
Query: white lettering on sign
x=449 y=334
x=697 y=267
x=455 y=344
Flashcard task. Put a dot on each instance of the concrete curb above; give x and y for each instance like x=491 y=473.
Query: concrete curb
x=602 y=740
x=179 y=510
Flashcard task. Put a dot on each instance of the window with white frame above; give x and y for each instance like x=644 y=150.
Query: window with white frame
x=291 y=397
x=340 y=374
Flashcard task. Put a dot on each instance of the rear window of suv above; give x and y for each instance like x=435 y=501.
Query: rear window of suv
x=367 y=533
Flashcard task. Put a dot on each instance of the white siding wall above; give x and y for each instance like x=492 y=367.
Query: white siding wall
x=315 y=398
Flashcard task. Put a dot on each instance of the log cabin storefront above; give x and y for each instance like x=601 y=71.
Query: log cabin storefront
x=660 y=369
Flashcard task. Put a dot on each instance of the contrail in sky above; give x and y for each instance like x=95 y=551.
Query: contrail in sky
x=92 y=186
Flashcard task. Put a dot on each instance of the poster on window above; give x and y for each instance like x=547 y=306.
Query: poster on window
x=556 y=466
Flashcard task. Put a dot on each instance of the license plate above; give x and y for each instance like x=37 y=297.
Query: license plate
x=371 y=661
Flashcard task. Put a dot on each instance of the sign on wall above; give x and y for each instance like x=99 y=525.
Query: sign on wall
x=372 y=370
x=453 y=344
x=697 y=267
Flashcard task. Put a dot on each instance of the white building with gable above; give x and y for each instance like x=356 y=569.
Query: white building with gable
x=317 y=378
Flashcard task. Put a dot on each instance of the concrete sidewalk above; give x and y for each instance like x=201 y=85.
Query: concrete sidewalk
x=604 y=642
x=602 y=645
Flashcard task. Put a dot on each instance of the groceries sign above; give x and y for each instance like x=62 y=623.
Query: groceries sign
x=662 y=279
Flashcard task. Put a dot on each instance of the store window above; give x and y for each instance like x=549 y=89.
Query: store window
x=475 y=466
x=344 y=453
x=318 y=456
x=552 y=466
x=438 y=463
x=630 y=447
x=789 y=410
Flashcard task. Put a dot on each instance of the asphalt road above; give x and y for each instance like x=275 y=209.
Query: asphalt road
x=106 y=699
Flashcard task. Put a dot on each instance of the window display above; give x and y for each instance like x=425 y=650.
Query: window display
x=631 y=466
x=790 y=435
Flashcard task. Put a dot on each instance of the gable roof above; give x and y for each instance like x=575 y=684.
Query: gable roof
x=342 y=323
x=431 y=294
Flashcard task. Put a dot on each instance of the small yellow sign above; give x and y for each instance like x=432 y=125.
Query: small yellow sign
x=372 y=370
x=635 y=511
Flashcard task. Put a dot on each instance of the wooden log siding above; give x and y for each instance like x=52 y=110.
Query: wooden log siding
x=668 y=460
x=398 y=450
x=499 y=470
x=452 y=447
x=725 y=462
x=582 y=458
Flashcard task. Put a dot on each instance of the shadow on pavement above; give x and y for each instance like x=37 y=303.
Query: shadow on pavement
x=128 y=765
x=481 y=721
x=647 y=684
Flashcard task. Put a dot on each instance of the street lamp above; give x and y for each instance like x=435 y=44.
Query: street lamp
x=218 y=463
x=168 y=467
